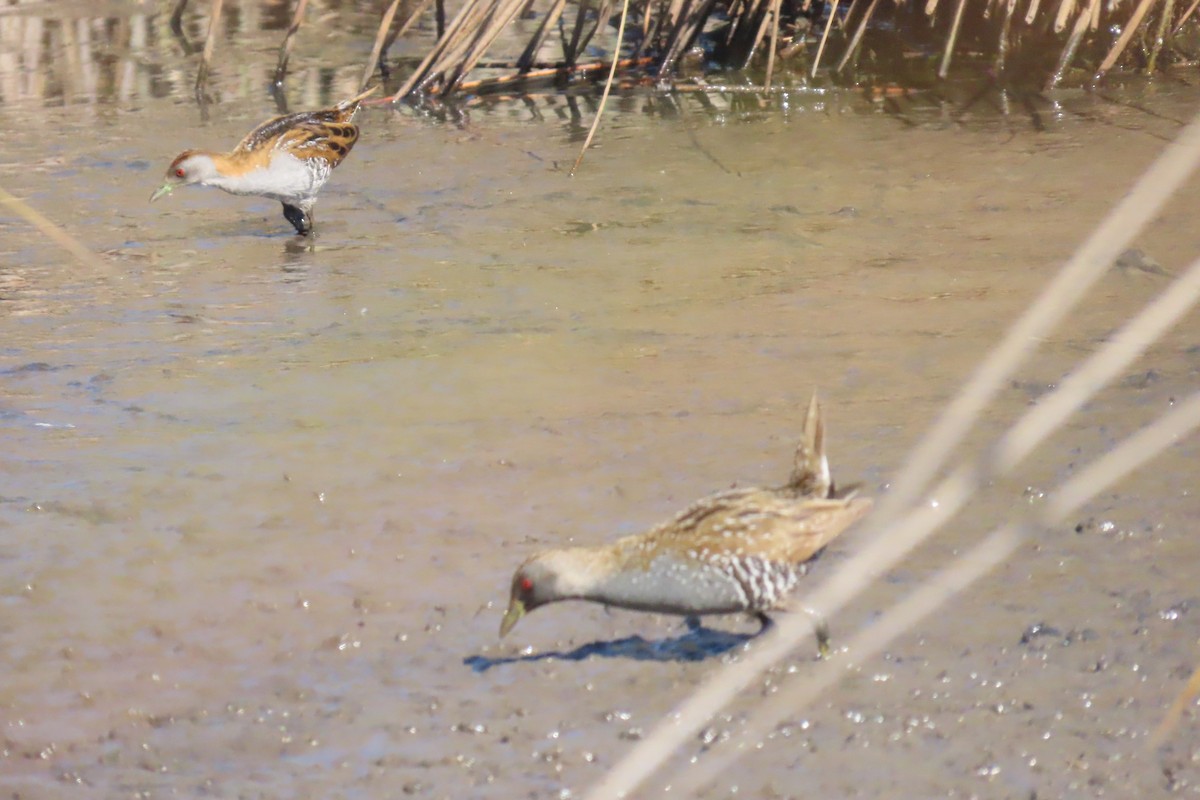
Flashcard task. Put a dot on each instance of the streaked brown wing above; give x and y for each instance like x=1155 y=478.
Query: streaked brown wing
x=269 y=130
x=780 y=529
x=821 y=522
x=337 y=118
x=330 y=141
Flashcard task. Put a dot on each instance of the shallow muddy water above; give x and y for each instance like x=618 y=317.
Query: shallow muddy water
x=260 y=500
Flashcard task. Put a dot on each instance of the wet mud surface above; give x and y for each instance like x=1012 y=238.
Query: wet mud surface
x=260 y=499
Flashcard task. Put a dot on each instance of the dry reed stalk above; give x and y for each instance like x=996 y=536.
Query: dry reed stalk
x=1186 y=16
x=1089 y=262
x=497 y=19
x=675 y=11
x=672 y=19
x=1171 y=719
x=912 y=530
x=951 y=39
x=1053 y=410
x=689 y=22
x=747 y=16
x=385 y=25
x=412 y=18
x=1065 y=9
x=601 y=22
x=493 y=84
x=734 y=12
x=825 y=36
x=439 y=17
x=858 y=34
x=1042 y=421
x=758 y=17
x=897 y=620
x=765 y=21
x=570 y=47
x=289 y=40
x=607 y=88
x=1068 y=51
x=529 y=56
x=55 y=233
x=1032 y=12
x=774 y=44
x=647 y=9
x=659 y=21
x=1123 y=40
x=466 y=39
x=210 y=42
x=701 y=89
x=1130 y=454
x=886 y=545
x=443 y=42
x=1072 y=495
x=1050 y=414
x=582 y=33
x=844 y=21
x=472 y=28
x=1160 y=35
x=176 y=24
x=1002 y=43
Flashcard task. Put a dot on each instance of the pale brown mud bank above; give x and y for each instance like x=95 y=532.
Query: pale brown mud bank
x=260 y=503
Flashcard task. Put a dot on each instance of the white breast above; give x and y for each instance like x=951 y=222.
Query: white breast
x=285 y=178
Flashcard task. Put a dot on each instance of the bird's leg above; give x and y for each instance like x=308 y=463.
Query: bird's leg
x=300 y=221
x=821 y=629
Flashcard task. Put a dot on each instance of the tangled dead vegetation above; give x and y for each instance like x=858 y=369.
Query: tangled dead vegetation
x=1027 y=43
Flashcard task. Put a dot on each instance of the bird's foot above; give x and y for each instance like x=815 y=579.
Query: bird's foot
x=821 y=629
x=300 y=221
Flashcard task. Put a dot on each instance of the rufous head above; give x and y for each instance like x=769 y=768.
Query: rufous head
x=190 y=166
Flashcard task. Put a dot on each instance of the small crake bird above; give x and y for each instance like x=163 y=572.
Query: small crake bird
x=287 y=158
x=737 y=551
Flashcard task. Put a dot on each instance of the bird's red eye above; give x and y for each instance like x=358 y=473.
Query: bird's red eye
x=526 y=585
x=179 y=173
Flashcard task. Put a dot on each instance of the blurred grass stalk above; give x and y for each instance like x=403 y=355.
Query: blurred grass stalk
x=54 y=232
x=900 y=524
x=1066 y=500
x=1171 y=719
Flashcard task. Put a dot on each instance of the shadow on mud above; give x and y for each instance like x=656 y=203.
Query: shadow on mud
x=697 y=644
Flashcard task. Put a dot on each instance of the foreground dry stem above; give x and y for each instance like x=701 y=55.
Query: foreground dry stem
x=900 y=522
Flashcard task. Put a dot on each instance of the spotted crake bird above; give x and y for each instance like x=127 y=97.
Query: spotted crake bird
x=287 y=158
x=738 y=551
